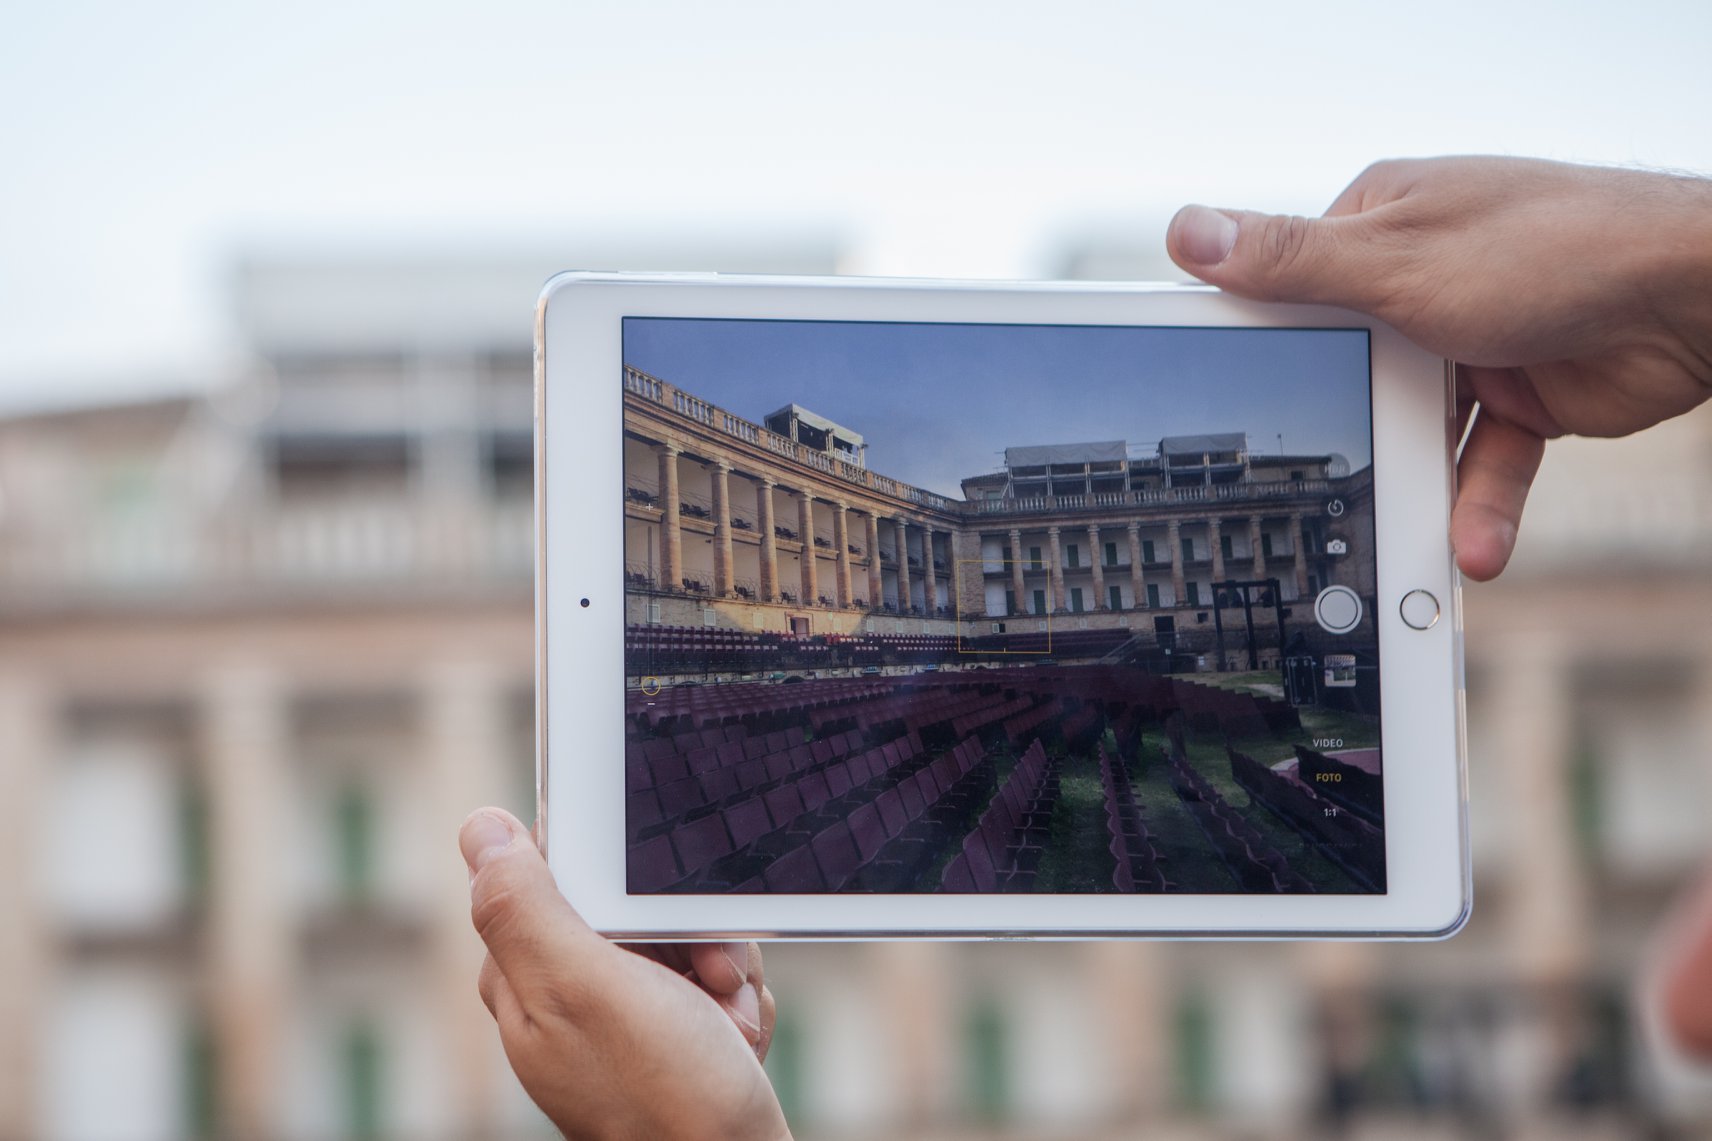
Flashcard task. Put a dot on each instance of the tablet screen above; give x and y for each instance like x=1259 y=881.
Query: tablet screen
x=924 y=607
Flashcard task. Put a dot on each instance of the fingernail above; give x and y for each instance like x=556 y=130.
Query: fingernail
x=746 y=1007
x=1205 y=235
x=737 y=954
x=483 y=836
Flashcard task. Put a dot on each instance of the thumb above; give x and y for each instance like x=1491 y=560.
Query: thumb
x=1274 y=257
x=536 y=938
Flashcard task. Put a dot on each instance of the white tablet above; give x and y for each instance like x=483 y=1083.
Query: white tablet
x=945 y=609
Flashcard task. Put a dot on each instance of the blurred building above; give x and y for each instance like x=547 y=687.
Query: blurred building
x=261 y=650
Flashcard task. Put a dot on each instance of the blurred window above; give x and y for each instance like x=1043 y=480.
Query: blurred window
x=355 y=835
x=510 y=464
x=785 y=1063
x=987 y=1051
x=193 y=846
x=1192 y=1029
x=363 y=1074
x=200 y=1112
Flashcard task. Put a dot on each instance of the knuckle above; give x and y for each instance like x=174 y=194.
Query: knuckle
x=1283 y=246
x=492 y=908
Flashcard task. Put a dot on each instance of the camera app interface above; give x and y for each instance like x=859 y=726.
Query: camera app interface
x=962 y=608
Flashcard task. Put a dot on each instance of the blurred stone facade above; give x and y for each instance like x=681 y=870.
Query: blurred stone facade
x=260 y=651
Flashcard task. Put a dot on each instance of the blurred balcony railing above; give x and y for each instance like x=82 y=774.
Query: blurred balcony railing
x=277 y=548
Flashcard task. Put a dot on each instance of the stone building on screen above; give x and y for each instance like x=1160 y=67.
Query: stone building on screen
x=729 y=523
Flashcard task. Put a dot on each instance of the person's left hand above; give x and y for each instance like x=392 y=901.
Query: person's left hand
x=655 y=1040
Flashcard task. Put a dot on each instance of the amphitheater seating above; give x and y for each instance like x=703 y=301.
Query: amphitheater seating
x=864 y=783
x=1003 y=852
x=1256 y=865
x=1342 y=783
x=1135 y=858
x=1345 y=839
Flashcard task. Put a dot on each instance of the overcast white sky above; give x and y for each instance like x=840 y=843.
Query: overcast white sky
x=143 y=146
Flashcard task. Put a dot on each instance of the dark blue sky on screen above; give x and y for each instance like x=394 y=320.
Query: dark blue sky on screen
x=937 y=403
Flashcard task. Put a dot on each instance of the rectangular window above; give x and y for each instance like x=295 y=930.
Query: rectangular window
x=1194 y=593
x=1040 y=602
x=1114 y=597
x=1296 y=476
x=1225 y=546
x=1071 y=557
x=1153 y=595
x=1034 y=558
x=1010 y=602
x=1076 y=599
x=986 y=1048
x=1266 y=544
x=363 y=1078
x=1111 y=554
x=194 y=859
x=785 y=1064
x=1188 y=550
x=1314 y=584
x=1147 y=551
x=356 y=839
x=200 y=1091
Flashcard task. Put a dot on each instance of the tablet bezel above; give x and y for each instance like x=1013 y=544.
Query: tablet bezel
x=580 y=648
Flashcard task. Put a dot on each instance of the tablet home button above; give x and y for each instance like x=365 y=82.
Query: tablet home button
x=1420 y=609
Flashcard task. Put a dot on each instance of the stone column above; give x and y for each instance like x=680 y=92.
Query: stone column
x=914 y=984
x=1136 y=574
x=1132 y=1028
x=841 y=539
x=1018 y=591
x=247 y=762
x=721 y=529
x=1215 y=541
x=468 y=757
x=1255 y=545
x=876 y=592
x=903 y=565
x=29 y=726
x=1058 y=604
x=929 y=578
x=1531 y=711
x=1298 y=539
x=1174 y=540
x=671 y=534
x=769 y=542
x=1097 y=557
x=805 y=528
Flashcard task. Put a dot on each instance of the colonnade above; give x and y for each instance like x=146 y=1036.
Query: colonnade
x=1096 y=532
x=771 y=588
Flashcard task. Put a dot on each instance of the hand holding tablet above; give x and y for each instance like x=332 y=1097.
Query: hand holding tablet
x=1496 y=248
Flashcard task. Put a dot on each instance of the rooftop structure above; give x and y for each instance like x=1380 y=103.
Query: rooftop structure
x=794 y=422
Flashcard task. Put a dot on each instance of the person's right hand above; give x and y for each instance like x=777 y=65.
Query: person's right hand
x=1575 y=299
